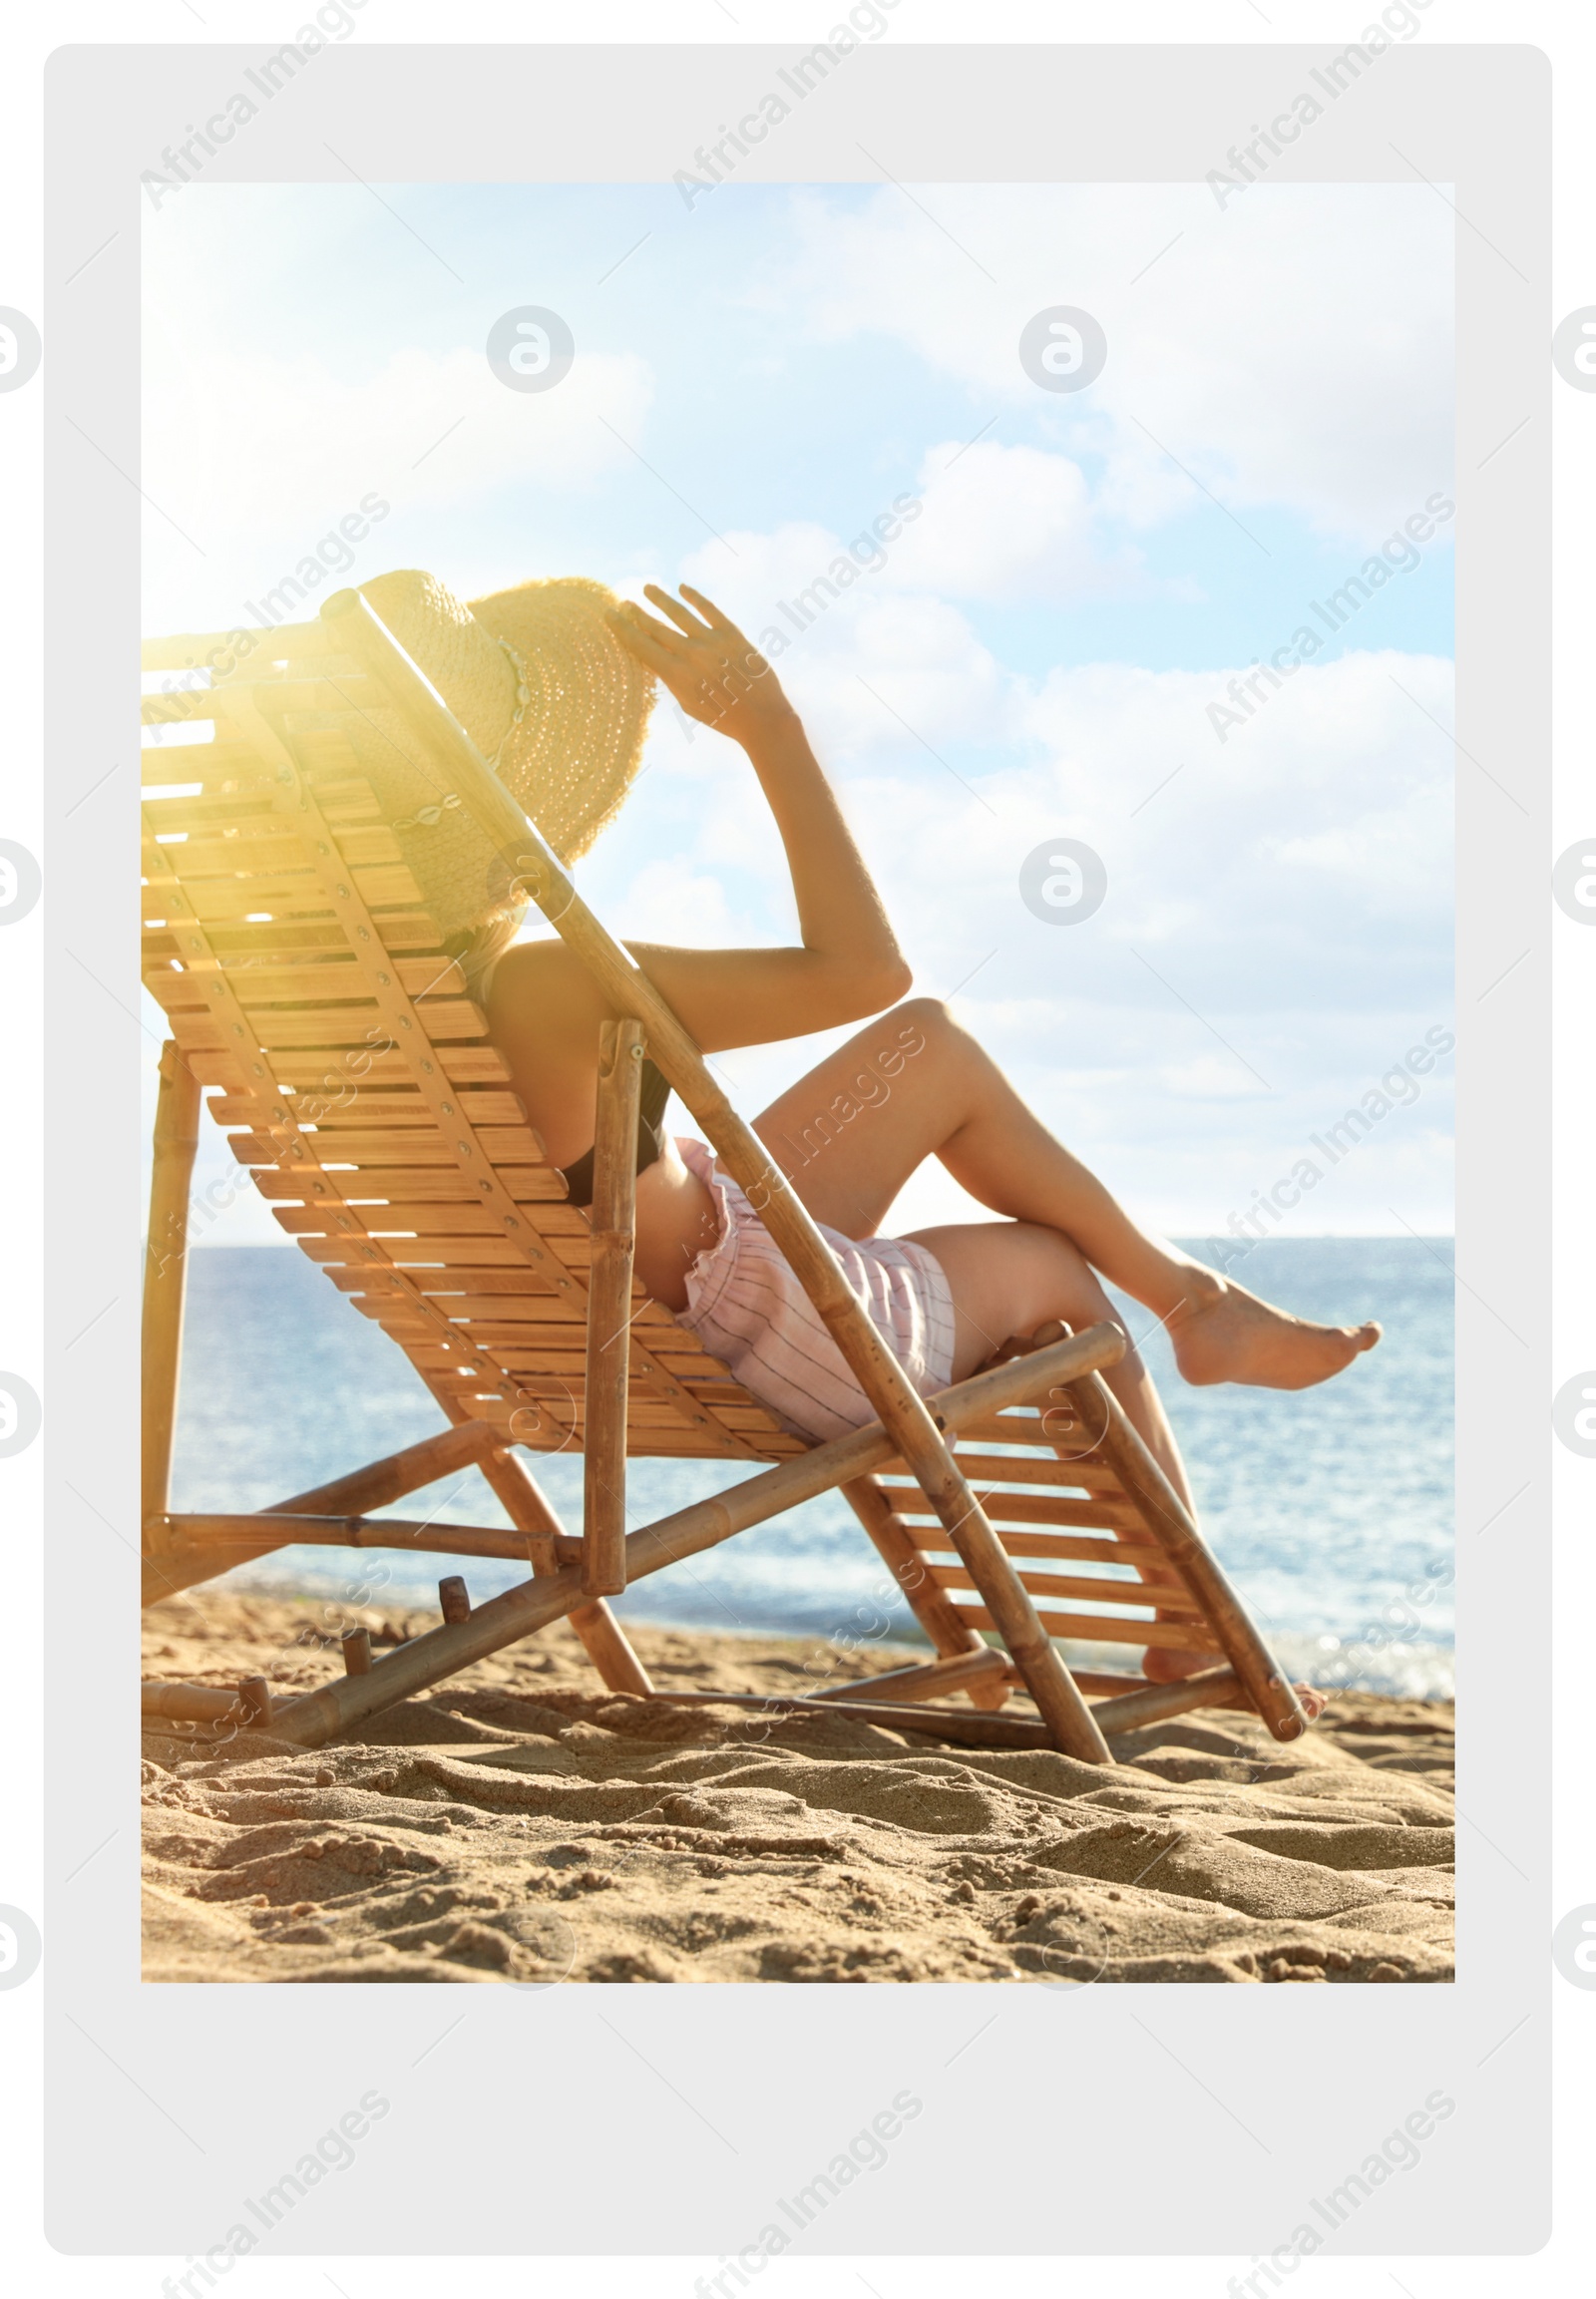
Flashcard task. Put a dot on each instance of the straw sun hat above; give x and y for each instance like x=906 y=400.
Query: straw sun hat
x=550 y=698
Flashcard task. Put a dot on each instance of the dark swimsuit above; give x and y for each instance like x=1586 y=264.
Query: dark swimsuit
x=652 y=1094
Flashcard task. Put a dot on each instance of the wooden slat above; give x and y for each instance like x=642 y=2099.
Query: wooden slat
x=333 y=980
x=567 y=1363
x=669 y=1343
x=548 y=1364
x=1109 y=1629
x=562 y=1314
x=187 y=651
x=465 y=1220
x=463 y=1063
x=170 y=708
x=331 y=1106
x=1037 y=1509
x=371 y=1294
x=234 y=898
x=174 y=806
x=224 y=767
x=439 y=1281
x=254 y=842
x=539 y=1327
x=682 y=1351
x=332 y=1067
x=264 y=848
x=487 y=1293
x=432 y=1185
x=562 y=1228
x=460 y=1296
x=355 y=1104
x=282 y=1031
x=403 y=928
x=503 y=1145
x=289 y=937
x=1137 y=1553
x=653 y=1440
x=989 y=1470
x=1071 y=1588
x=352 y=688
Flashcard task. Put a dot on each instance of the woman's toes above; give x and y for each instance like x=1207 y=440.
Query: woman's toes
x=1232 y=1336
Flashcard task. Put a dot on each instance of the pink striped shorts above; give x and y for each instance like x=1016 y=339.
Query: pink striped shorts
x=744 y=1303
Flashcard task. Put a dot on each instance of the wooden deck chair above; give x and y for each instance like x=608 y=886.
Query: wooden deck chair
x=308 y=992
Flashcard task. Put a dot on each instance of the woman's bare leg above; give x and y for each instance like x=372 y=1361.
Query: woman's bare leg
x=1009 y=1277
x=914 y=1085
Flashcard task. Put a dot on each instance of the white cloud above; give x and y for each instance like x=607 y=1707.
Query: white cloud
x=1210 y=1077
x=1005 y=523
x=1293 y=351
x=991 y=523
x=674 y=903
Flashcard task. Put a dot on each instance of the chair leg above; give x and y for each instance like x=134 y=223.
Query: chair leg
x=177 y=1140
x=614 y=1194
x=532 y=1513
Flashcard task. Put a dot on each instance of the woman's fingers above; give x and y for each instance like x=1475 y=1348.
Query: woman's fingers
x=709 y=666
x=661 y=632
x=721 y=623
x=706 y=622
x=637 y=634
x=688 y=625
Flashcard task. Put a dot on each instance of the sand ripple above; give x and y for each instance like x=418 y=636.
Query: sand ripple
x=522 y=1826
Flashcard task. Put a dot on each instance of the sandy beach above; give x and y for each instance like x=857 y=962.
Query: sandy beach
x=521 y=1824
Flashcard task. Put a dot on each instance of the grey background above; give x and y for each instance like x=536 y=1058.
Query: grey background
x=672 y=2119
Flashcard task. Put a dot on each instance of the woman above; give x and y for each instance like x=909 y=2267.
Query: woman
x=918 y=1086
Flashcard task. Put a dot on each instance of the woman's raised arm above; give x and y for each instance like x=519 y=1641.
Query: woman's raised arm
x=849 y=964
x=545 y=1008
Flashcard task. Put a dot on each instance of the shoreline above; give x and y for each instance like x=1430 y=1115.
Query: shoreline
x=1421 y=1672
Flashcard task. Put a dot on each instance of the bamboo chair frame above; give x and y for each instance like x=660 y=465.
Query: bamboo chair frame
x=284 y=931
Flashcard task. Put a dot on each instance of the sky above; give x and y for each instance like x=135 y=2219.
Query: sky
x=1047 y=651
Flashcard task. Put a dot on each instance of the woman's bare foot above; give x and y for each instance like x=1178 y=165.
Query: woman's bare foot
x=1222 y=1333
x=1162 y=1664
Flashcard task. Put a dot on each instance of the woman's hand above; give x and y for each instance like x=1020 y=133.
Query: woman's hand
x=718 y=676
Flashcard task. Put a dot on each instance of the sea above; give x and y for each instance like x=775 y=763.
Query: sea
x=1330 y=1509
